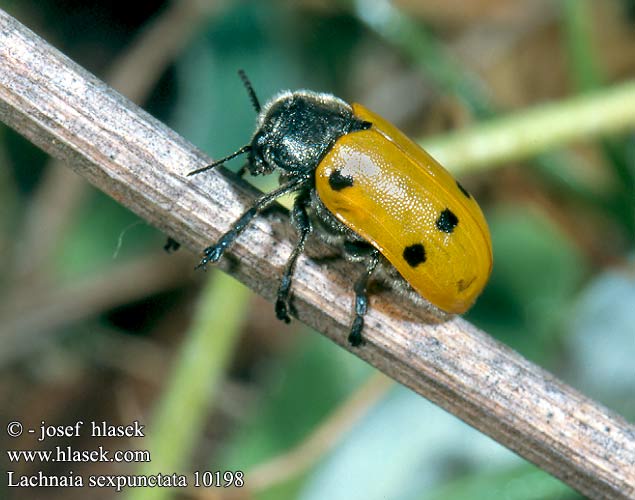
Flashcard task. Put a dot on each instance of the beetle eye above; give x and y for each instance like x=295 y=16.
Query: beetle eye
x=259 y=156
x=257 y=147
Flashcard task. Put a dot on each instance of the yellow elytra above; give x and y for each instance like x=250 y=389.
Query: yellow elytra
x=388 y=190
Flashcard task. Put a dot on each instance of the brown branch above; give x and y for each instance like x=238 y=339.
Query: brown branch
x=142 y=164
x=133 y=73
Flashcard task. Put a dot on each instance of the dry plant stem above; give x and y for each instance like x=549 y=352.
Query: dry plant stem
x=134 y=74
x=142 y=164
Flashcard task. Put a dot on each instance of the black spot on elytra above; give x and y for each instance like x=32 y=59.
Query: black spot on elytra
x=463 y=190
x=337 y=181
x=414 y=254
x=447 y=221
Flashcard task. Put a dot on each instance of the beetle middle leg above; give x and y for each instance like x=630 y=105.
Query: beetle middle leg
x=243 y=170
x=301 y=220
x=361 y=294
x=213 y=253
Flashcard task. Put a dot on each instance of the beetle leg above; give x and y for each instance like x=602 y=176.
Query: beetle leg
x=361 y=299
x=213 y=253
x=301 y=220
x=171 y=245
x=243 y=170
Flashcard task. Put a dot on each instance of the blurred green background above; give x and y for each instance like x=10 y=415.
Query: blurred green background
x=97 y=323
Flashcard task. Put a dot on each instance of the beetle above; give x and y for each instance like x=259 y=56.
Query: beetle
x=365 y=187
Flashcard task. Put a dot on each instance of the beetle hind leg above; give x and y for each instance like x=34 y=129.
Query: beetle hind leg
x=301 y=220
x=361 y=299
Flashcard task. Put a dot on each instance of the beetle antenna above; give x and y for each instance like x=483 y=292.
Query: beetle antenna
x=250 y=90
x=241 y=151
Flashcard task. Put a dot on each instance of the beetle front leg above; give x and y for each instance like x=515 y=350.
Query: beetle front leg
x=213 y=253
